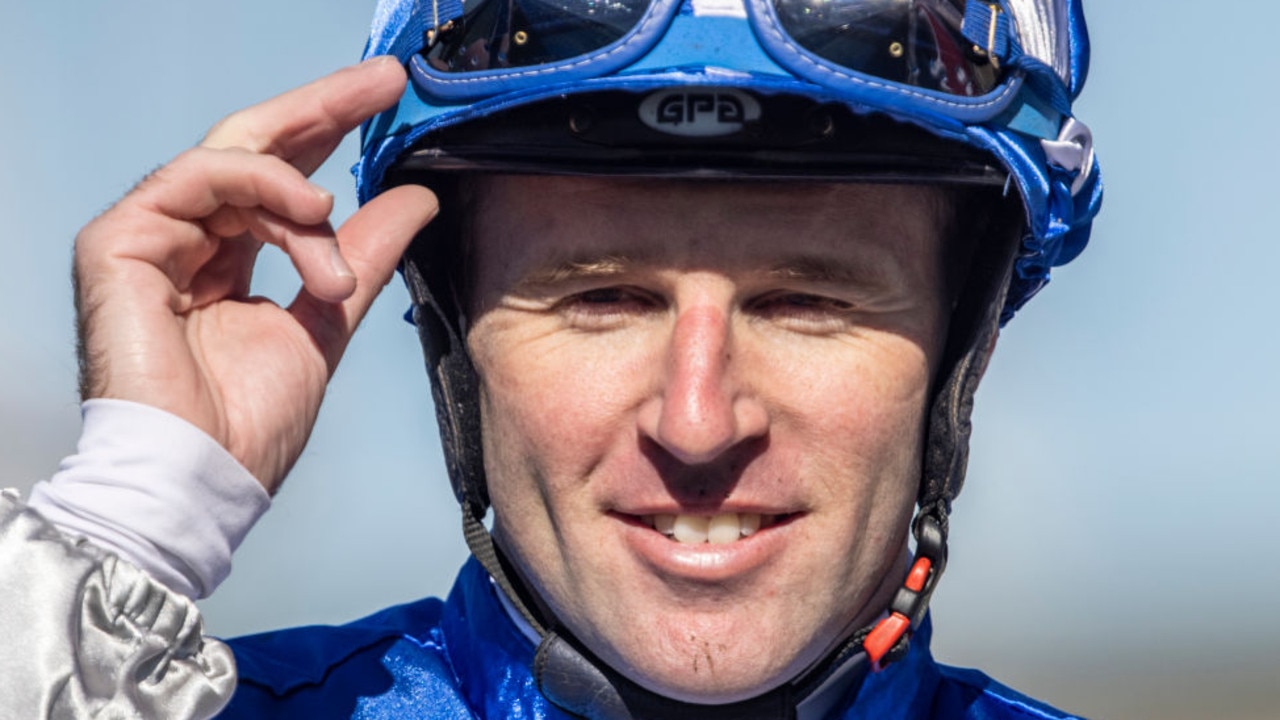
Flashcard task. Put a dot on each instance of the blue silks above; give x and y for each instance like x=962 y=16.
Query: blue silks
x=465 y=658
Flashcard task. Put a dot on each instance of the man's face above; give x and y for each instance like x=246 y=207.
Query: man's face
x=751 y=360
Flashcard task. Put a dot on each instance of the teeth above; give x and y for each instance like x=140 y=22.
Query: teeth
x=724 y=529
x=718 y=530
x=691 y=528
x=665 y=524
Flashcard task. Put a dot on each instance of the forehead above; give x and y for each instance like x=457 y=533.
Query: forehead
x=531 y=224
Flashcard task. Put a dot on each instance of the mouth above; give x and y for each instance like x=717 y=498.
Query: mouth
x=708 y=547
x=718 y=529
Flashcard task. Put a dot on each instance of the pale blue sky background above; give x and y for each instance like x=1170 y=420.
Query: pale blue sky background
x=1115 y=547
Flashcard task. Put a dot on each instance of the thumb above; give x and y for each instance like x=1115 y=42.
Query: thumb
x=371 y=243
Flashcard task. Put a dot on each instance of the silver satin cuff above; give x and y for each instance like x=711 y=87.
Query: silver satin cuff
x=86 y=634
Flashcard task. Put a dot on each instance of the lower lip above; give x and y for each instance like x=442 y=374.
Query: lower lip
x=705 y=562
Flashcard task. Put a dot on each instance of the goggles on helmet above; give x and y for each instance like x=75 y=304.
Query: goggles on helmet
x=995 y=76
x=942 y=47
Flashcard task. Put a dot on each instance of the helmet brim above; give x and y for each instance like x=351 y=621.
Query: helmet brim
x=790 y=138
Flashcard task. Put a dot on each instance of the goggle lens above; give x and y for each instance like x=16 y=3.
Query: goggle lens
x=917 y=43
x=912 y=42
x=499 y=34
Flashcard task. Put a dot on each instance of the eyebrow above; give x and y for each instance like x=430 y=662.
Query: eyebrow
x=801 y=268
x=822 y=270
x=584 y=269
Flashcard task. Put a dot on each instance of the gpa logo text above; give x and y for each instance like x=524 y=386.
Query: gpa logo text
x=699 y=112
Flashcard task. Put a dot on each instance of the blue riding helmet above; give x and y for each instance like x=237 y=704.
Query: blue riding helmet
x=958 y=92
x=996 y=77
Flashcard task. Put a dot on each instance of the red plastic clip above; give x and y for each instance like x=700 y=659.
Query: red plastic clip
x=890 y=630
x=919 y=574
x=912 y=599
x=884 y=636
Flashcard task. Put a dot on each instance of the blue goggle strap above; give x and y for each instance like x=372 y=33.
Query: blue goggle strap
x=399 y=26
x=989 y=28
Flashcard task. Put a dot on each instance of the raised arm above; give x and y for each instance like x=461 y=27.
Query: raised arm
x=166 y=320
x=163 y=277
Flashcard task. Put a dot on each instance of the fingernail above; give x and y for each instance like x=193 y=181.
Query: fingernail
x=322 y=193
x=340 y=266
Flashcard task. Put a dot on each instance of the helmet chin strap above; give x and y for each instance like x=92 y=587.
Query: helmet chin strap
x=573 y=678
x=975 y=324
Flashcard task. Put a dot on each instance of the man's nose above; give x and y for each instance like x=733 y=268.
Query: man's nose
x=703 y=408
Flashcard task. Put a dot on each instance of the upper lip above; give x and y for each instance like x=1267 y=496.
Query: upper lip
x=706 y=510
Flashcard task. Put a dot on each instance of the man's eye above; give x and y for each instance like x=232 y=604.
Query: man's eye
x=806 y=309
x=804 y=302
x=606 y=304
x=603 y=296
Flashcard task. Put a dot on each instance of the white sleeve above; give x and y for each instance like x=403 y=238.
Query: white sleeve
x=156 y=490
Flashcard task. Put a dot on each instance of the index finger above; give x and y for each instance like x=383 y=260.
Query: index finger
x=304 y=125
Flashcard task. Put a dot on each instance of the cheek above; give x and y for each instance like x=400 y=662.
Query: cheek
x=856 y=422
x=854 y=425
x=866 y=396
x=555 y=408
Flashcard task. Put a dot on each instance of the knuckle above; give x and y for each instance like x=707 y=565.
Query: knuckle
x=189 y=160
x=95 y=237
x=160 y=177
x=236 y=130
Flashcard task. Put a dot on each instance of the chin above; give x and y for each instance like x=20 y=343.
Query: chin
x=710 y=661
x=724 y=685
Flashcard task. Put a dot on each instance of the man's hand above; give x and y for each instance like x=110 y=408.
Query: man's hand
x=163 y=277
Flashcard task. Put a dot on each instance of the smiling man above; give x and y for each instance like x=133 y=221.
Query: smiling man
x=698 y=346
x=708 y=295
